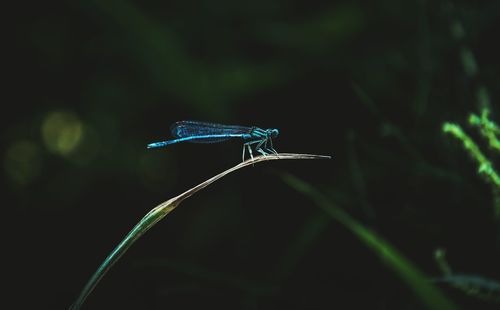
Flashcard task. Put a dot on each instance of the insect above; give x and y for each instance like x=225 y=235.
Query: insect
x=201 y=132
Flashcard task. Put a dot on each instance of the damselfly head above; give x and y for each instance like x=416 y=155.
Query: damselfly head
x=273 y=133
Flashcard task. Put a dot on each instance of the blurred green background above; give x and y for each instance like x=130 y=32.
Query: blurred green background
x=368 y=83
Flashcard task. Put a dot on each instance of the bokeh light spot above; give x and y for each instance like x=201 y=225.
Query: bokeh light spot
x=62 y=132
x=22 y=162
x=88 y=148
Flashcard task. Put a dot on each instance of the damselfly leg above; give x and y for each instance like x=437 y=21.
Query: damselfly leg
x=272 y=147
x=263 y=147
x=249 y=149
x=259 y=148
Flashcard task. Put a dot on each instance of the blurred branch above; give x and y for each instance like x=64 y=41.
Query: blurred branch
x=474 y=285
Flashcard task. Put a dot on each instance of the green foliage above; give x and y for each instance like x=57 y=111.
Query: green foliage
x=489 y=130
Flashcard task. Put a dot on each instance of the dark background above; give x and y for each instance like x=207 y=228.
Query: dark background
x=370 y=84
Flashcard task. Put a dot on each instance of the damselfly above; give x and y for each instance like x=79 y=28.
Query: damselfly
x=201 y=132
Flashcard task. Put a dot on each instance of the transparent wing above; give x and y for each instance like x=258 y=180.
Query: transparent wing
x=184 y=129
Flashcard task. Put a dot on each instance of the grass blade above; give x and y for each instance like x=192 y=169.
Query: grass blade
x=160 y=211
x=429 y=294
